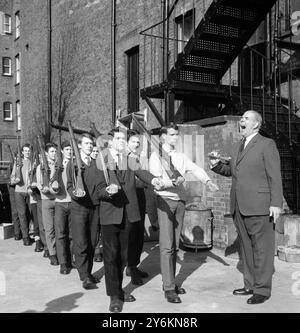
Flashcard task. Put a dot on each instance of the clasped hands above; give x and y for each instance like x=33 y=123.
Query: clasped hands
x=112 y=189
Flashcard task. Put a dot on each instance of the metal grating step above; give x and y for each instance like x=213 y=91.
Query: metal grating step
x=207 y=78
x=222 y=49
x=205 y=62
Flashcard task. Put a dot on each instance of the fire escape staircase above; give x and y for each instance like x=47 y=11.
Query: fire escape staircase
x=216 y=42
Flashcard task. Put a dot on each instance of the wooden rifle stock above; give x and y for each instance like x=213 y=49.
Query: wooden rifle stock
x=79 y=188
x=56 y=180
x=18 y=174
x=33 y=163
x=45 y=170
x=173 y=175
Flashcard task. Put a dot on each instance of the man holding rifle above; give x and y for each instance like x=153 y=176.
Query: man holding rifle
x=85 y=191
x=22 y=168
x=171 y=204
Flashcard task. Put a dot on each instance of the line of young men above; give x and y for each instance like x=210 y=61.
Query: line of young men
x=111 y=193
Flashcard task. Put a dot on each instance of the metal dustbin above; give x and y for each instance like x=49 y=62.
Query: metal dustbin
x=197 y=230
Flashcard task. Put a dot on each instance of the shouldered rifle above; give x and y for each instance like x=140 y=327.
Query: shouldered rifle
x=56 y=180
x=33 y=163
x=166 y=162
x=19 y=163
x=79 y=188
x=45 y=170
x=12 y=157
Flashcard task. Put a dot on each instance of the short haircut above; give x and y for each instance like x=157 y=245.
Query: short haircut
x=116 y=130
x=65 y=144
x=85 y=135
x=50 y=145
x=26 y=145
x=164 y=129
x=258 y=117
x=131 y=133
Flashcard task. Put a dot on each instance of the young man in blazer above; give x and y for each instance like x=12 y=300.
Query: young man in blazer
x=255 y=202
x=119 y=215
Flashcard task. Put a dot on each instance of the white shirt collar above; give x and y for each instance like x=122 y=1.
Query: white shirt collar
x=248 y=138
x=167 y=149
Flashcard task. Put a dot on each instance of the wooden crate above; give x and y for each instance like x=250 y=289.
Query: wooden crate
x=6 y=231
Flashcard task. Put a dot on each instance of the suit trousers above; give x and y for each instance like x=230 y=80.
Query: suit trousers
x=14 y=213
x=257 y=240
x=170 y=220
x=48 y=212
x=34 y=217
x=41 y=225
x=136 y=233
x=63 y=237
x=115 y=246
x=84 y=226
x=22 y=200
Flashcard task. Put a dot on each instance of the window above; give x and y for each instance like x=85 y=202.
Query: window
x=7 y=24
x=17 y=61
x=133 y=79
x=6 y=66
x=18 y=108
x=17 y=19
x=7 y=111
x=185 y=28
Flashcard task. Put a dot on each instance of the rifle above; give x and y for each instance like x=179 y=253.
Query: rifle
x=173 y=174
x=34 y=164
x=79 y=188
x=56 y=180
x=45 y=170
x=18 y=174
x=94 y=130
x=12 y=158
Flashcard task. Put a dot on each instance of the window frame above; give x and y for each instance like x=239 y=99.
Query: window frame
x=133 y=83
x=18 y=115
x=6 y=110
x=5 y=24
x=18 y=68
x=4 y=66
x=17 y=24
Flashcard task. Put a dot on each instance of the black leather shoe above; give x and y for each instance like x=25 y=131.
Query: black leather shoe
x=128 y=298
x=64 y=269
x=115 y=305
x=88 y=283
x=39 y=247
x=257 y=299
x=94 y=279
x=242 y=292
x=27 y=241
x=180 y=290
x=53 y=260
x=134 y=271
x=46 y=254
x=172 y=297
x=98 y=257
x=18 y=237
x=137 y=281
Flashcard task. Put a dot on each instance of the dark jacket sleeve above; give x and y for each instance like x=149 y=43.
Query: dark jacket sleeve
x=70 y=180
x=272 y=165
x=144 y=175
x=223 y=169
x=101 y=186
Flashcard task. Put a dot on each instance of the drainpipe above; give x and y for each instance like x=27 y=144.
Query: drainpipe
x=49 y=42
x=113 y=61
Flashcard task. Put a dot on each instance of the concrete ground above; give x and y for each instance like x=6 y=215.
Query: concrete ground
x=28 y=283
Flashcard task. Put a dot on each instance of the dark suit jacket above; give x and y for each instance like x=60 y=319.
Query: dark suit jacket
x=112 y=209
x=256 y=177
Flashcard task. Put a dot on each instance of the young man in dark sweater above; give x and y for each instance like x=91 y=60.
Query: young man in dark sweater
x=85 y=210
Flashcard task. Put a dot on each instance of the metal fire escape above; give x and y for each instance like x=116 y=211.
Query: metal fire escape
x=201 y=72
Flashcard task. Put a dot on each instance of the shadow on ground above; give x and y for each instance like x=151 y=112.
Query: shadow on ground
x=61 y=304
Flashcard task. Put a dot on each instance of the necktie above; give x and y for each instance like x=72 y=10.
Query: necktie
x=242 y=146
x=87 y=161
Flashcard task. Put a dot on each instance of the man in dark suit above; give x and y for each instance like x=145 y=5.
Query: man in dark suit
x=85 y=210
x=119 y=215
x=256 y=201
